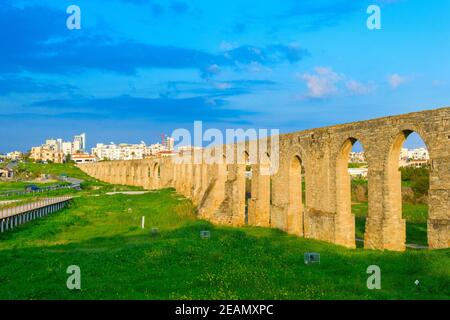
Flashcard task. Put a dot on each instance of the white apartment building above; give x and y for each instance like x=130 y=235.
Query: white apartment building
x=106 y=151
x=415 y=154
x=358 y=157
x=419 y=154
x=79 y=143
x=83 y=158
x=169 y=143
x=66 y=148
x=358 y=172
x=124 y=151
x=121 y=151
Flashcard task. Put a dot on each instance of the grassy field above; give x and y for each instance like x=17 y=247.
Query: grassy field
x=54 y=169
x=119 y=260
x=20 y=185
x=416 y=221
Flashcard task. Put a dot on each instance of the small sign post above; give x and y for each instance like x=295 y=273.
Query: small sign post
x=312 y=257
x=204 y=234
x=154 y=232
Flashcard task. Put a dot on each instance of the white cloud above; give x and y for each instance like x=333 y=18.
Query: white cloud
x=325 y=82
x=395 y=80
x=357 y=88
x=322 y=83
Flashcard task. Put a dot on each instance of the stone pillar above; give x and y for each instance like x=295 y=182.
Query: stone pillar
x=259 y=206
x=294 y=219
x=439 y=204
x=239 y=181
x=344 y=220
x=197 y=183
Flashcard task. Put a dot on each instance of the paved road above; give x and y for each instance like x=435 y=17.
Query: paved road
x=74 y=181
x=131 y=193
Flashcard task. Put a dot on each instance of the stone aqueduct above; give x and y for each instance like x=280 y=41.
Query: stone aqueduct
x=218 y=190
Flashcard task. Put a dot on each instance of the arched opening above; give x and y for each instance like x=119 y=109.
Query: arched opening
x=296 y=190
x=408 y=188
x=359 y=189
x=156 y=175
x=352 y=194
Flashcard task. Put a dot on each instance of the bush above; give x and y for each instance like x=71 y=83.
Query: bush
x=411 y=173
x=418 y=178
x=420 y=185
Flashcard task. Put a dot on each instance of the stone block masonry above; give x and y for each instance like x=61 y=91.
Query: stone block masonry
x=320 y=158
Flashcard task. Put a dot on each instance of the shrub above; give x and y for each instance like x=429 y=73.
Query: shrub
x=420 y=185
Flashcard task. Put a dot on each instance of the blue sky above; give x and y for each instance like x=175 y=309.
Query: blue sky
x=138 y=68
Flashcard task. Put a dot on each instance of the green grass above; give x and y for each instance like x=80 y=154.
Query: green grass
x=54 y=169
x=20 y=185
x=416 y=221
x=360 y=212
x=119 y=260
x=89 y=185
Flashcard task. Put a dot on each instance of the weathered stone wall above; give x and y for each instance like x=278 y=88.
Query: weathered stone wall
x=218 y=190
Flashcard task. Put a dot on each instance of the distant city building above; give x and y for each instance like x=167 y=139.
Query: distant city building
x=358 y=172
x=79 y=143
x=66 y=148
x=416 y=163
x=414 y=157
x=6 y=173
x=408 y=157
x=169 y=143
x=124 y=151
x=56 y=150
x=83 y=158
x=121 y=151
x=164 y=154
x=414 y=154
x=47 y=153
x=357 y=157
x=15 y=155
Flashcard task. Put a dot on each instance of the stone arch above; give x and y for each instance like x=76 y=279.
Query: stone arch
x=245 y=185
x=345 y=220
x=156 y=175
x=259 y=206
x=395 y=225
x=148 y=175
x=295 y=205
x=149 y=172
